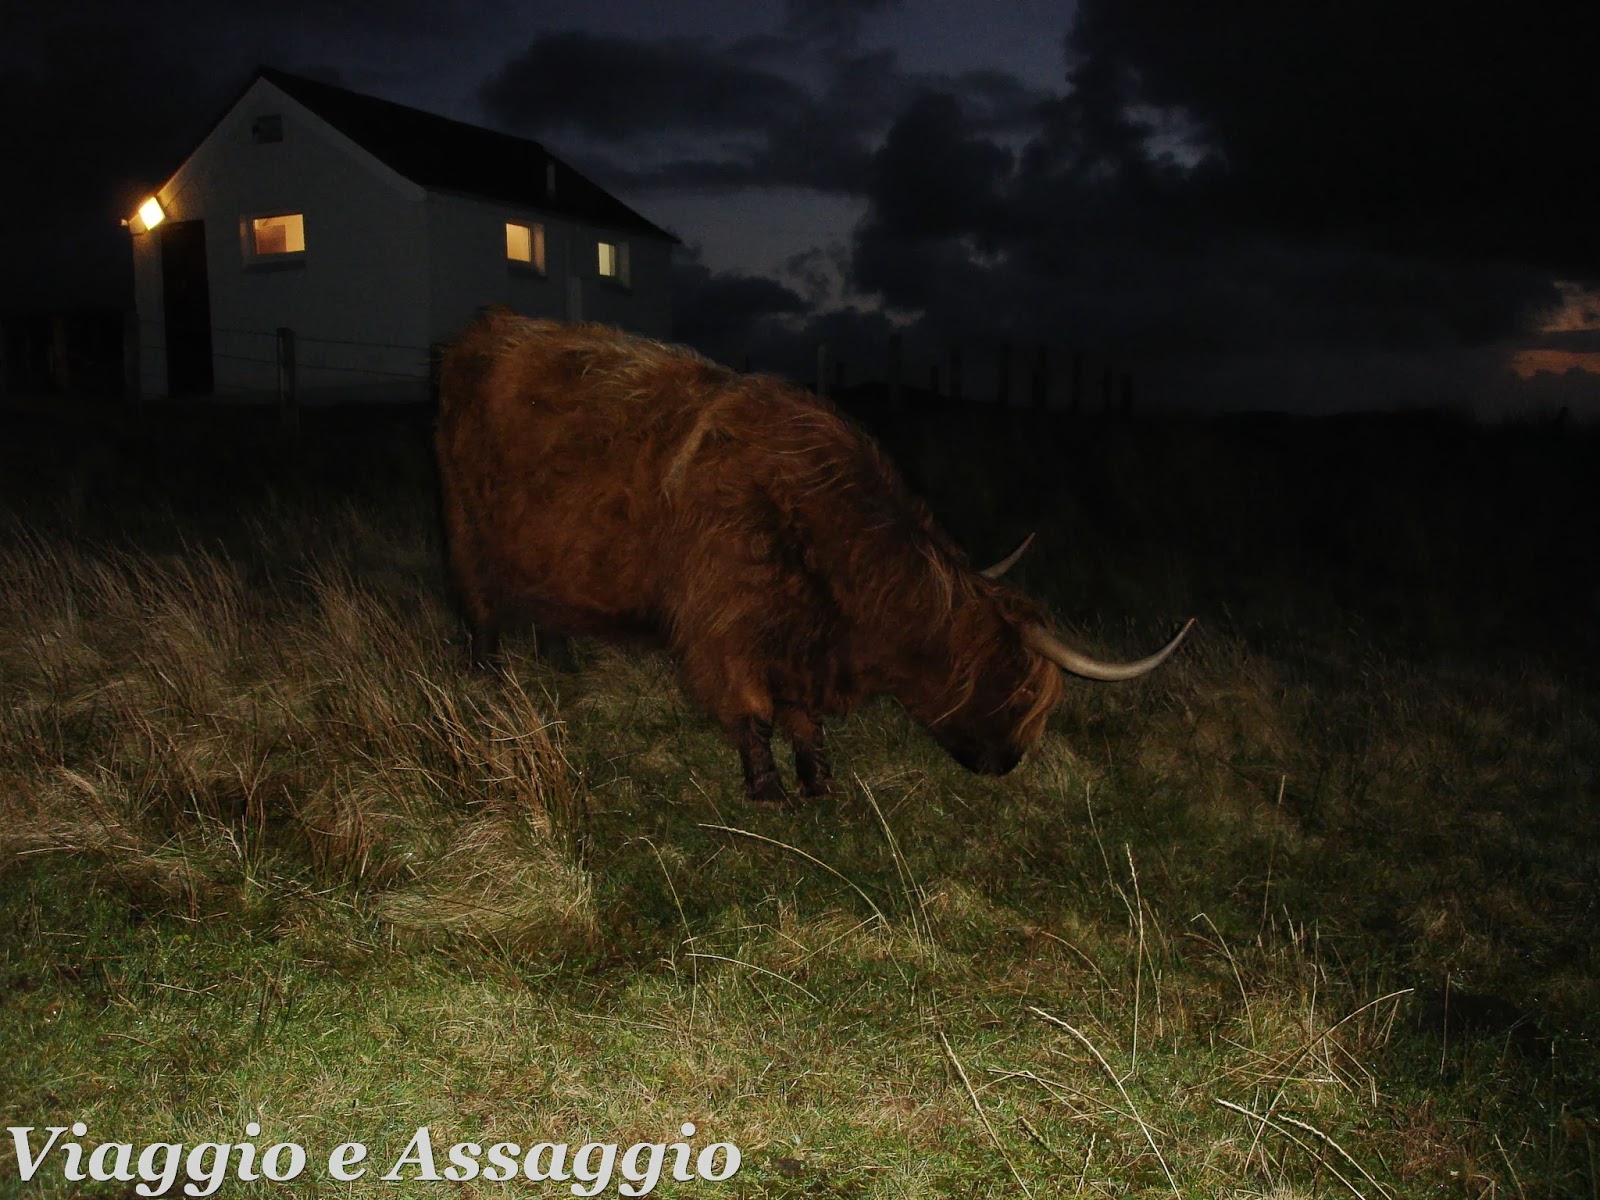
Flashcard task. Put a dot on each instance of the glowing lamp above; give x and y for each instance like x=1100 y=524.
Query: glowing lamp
x=148 y=216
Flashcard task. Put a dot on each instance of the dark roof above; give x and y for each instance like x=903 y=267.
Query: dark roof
x=436 y=152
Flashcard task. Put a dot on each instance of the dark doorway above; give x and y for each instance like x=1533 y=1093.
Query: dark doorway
x=186 y=306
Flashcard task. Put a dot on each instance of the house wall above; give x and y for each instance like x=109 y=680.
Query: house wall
x=389 y=268
x=468 y=269
x=151 y=350
x=357 y=300
x=645 y=304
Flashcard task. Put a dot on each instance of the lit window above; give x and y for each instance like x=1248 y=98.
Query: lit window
x=614 y=262
x=525 y=244
x=278 y=235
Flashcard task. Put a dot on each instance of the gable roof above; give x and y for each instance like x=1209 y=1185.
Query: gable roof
x=439 y=153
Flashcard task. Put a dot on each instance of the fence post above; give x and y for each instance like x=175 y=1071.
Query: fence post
x=288 y=392
x=896 y=365
x=822 y=368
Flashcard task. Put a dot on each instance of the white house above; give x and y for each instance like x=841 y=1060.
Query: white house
x=373 y=231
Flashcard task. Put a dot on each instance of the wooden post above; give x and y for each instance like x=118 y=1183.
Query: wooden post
x=131 y=382
x=896 y=365
x=288 y=388
x=822 y=368
x=1041 y=378
x=1003 y=374
x=955 y=372
x=1077 y=382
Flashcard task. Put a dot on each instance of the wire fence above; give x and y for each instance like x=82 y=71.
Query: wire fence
x=287 y=366
x=280 y=364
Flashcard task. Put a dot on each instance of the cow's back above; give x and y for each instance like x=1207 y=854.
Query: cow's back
x=568 y=463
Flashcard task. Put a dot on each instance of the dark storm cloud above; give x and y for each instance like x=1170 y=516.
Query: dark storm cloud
x=1217 y=186
x=622 y=87
x=694 y=113
x=1455 y=130
x=700 y=115
x=934 y=178
x=833 y=20
x=723 y=307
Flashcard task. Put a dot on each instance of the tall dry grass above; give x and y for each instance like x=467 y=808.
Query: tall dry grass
x=212 y=735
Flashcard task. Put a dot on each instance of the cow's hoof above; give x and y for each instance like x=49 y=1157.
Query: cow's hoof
x=769 y=793
x=816 y=789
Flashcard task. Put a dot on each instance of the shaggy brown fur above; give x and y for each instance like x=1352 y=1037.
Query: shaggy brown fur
x=598 y=483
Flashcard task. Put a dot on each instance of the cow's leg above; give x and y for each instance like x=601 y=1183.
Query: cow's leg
x=553 y=648
x=736 y=693
x=811 y=766
x=483 y=641
x=753 y=738
x=482 y=618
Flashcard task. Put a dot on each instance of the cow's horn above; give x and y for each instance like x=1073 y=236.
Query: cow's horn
x=1037 y=637
x=1009 y=561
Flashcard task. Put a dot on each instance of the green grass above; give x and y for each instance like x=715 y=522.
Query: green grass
x=1306 y=914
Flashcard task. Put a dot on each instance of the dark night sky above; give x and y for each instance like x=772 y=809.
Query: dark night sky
x=1249 y=204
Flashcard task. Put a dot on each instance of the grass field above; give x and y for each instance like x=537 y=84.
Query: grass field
x=1310 y=912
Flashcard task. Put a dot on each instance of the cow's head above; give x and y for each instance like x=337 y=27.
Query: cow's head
x=1006 y=678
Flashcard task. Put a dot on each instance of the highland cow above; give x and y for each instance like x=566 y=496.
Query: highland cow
x=596 y=483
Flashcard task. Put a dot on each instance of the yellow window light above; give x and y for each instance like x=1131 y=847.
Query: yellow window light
x=279 y=235
x=525 y=244
x=519 y=243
